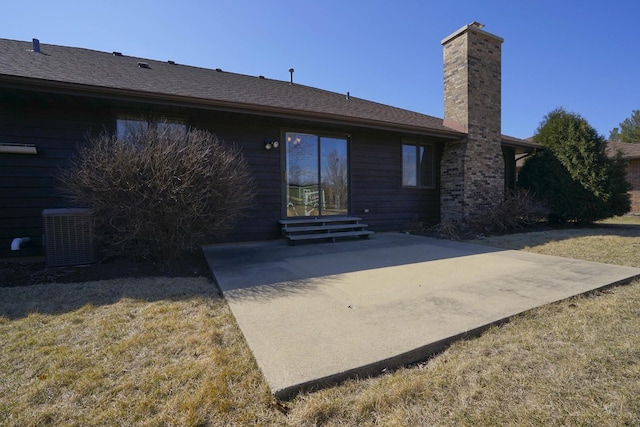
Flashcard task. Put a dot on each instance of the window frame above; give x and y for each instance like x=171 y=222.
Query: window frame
x=146 y=121
x=418 y=177
x=285 y=165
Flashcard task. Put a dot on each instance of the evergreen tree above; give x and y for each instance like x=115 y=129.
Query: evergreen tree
x=573 y=174
x=629 y=130
x=614 y=135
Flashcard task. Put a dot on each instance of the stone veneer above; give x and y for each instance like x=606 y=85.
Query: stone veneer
x=472 y=170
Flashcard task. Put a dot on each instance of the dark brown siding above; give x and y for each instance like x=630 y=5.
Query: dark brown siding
x=27 y=183
x=249 y=134
x=58 y=124
x=376 y=179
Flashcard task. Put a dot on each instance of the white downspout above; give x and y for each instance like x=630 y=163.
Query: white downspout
x=15 y=243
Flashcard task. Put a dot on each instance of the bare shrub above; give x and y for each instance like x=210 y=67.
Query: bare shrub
x=447 y=230
x=160 y=193
x=517 y=211
x=416 y=225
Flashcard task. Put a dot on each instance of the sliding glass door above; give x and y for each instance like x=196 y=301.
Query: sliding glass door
x=317 y=175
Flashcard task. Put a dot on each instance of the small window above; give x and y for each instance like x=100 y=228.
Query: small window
x=418 y=165
x=128 y=125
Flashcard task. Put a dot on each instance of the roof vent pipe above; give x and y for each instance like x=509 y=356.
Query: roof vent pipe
x=291 y=76
x=35 y=45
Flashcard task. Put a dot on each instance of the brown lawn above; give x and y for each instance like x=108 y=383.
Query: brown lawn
x=167 y=351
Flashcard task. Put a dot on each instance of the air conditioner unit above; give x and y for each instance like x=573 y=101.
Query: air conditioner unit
x=68 y=237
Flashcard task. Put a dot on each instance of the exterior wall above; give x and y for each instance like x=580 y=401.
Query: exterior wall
x=27 y=182
x=376 y=185
x=249 y=134
x=510 y=173
x=473 y=169
x=633 y=177
x=58 y=124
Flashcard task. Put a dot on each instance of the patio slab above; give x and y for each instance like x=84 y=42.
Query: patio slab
x=316 y=314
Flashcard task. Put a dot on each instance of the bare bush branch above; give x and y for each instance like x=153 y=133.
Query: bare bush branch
x=161 y=193
x=517 y=211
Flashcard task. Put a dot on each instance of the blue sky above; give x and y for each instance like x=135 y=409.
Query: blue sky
x=581 y=55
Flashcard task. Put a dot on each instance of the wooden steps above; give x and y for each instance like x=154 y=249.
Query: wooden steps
x=312 y=228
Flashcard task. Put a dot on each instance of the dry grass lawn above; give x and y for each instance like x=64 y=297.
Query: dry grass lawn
x=615 y=241
x=126 y=352
x=168 y=352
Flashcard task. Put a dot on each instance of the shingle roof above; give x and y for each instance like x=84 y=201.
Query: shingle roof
x=84 y=69
x=110 y=71
x=629 y=150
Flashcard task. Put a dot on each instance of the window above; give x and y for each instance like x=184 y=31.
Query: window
x=128 y=125
x=418 y=165
x=317 y=175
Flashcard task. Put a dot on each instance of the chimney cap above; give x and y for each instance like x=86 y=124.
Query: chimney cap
x=476 y=27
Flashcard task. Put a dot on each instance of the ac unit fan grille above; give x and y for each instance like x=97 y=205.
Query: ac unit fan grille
x=68 y=236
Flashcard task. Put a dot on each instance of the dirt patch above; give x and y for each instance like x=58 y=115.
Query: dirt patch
x=34 y=271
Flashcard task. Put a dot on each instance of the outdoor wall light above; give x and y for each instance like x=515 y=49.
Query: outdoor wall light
x=268 y=145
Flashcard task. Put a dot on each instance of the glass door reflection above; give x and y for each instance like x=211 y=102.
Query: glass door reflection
x=317 y=175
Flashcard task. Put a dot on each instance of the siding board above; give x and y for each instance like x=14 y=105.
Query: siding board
x=27 y=184
x=59 y=124
x=376 y=174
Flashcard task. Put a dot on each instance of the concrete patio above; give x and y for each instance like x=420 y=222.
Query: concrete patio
x=316 y=314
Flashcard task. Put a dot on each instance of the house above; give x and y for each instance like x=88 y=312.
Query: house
x=399 y=165
x=631 y=152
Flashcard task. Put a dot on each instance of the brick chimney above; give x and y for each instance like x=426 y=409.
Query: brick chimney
x=472 y=169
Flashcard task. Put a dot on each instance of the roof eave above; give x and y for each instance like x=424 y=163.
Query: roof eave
x=519 y=144
x=179 y=100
